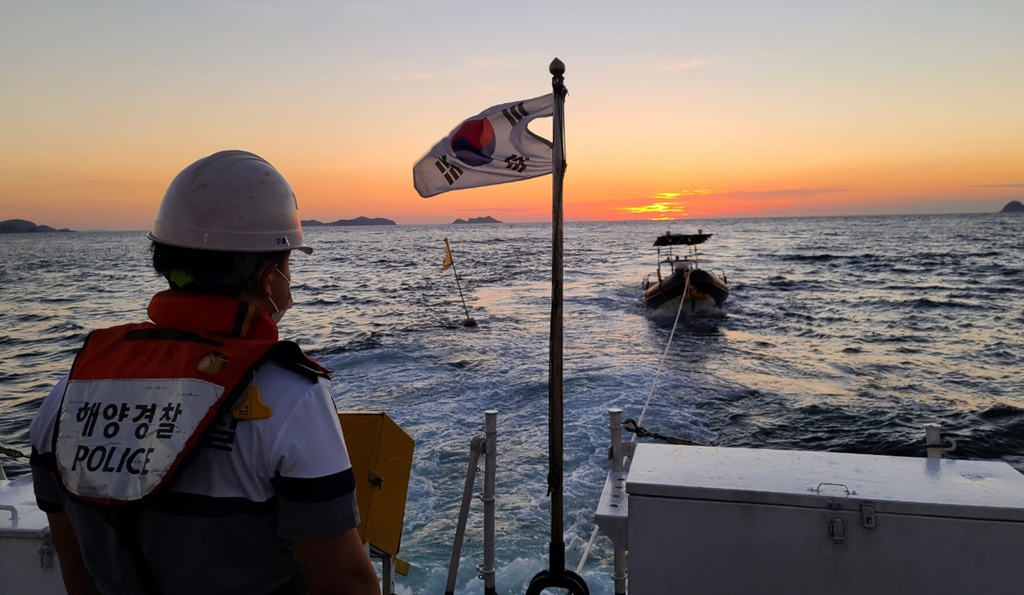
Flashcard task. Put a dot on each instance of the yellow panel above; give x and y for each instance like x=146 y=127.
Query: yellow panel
x=387 y=504
x=381 y=455
x=362 y=435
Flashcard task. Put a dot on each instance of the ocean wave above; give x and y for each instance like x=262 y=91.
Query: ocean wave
x=845 y=334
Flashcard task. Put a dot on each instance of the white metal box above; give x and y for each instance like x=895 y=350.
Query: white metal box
x=28 y=562
x=729 y=520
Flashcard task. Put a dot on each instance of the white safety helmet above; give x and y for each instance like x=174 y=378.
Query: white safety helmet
x=231 y=201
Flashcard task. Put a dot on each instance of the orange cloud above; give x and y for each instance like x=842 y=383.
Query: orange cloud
x=666 y=208
x=658 y=207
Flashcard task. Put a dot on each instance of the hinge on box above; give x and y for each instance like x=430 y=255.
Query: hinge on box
x=46 y=552
x=867 y=513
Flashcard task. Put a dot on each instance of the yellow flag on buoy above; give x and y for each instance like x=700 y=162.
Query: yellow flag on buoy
x=448 y=262
x=447 y=256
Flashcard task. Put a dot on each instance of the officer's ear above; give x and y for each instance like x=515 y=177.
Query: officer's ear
x=266 y=270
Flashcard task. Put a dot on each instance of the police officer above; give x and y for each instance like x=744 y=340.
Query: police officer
x=196 y=453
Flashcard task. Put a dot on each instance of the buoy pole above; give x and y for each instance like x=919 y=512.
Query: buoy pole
x=469 y=320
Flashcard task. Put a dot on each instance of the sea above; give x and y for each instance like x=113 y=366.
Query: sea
x=840 y=333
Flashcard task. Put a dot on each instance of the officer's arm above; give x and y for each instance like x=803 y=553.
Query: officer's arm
x=76 y=578
x=336 y=564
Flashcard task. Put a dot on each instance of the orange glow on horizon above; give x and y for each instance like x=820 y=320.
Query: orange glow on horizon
x=771 y=116
x=658 y=207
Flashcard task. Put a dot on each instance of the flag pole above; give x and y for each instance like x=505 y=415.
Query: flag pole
x=469 y=320
x=556 y=576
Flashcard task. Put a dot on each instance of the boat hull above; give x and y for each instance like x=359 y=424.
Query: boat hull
x=703 y=286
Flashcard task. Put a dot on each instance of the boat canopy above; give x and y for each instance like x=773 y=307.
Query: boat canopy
x=677 y=239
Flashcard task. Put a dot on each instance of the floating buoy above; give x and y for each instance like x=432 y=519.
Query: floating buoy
x=449 y=262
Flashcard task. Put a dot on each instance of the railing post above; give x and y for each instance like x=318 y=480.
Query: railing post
x=486 y=446
x=618 y=464
x=933 y=438
x=615 y=426
x=490 y=470
x=460 y=530
x=387 y=575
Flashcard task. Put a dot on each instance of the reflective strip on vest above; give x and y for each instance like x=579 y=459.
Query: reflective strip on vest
x=118 y=438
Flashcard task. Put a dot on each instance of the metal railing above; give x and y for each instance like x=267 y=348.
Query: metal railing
x=486 y=446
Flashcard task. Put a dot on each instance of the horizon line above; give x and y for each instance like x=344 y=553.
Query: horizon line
x=547 y=221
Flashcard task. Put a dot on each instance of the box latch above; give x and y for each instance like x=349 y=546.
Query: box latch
x=837 y=530
x=867 y=514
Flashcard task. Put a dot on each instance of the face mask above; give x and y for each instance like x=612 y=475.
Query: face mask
x=279 y=312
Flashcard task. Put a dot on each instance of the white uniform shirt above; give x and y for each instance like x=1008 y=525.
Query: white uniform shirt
x=224 y=527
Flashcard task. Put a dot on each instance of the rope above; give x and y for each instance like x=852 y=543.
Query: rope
x=654 y=384
x=630 y=425
x=661 y=362
x=586 y=549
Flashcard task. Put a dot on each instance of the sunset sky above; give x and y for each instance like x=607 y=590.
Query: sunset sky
x=676 y=108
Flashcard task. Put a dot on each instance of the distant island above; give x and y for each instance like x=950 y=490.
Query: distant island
x=1014 y=206
x=22 y=226
x=349 y=222
x=487 y=219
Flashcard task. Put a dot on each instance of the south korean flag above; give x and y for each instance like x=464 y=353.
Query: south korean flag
x=493 y=147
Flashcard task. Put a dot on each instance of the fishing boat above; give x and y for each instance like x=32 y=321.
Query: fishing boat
x=679 y=277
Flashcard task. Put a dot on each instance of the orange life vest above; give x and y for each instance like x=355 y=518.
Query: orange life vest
x=141 y=397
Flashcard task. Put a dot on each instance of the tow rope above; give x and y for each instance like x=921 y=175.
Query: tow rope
x=636 y=424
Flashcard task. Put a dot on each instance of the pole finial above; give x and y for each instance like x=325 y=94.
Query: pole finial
x=557 y=67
